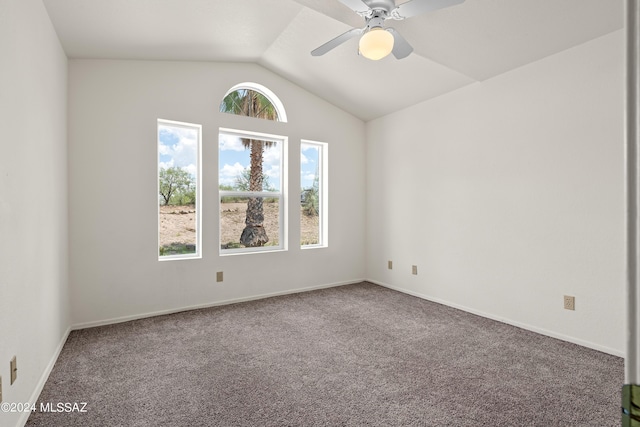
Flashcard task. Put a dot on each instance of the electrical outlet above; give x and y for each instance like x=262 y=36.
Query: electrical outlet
x=219 y=276
x=13 y=365
x=414 y=269
x=569 y=302
x=390 y=265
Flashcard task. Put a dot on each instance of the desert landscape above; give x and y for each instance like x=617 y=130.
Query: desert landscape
x=178 y=236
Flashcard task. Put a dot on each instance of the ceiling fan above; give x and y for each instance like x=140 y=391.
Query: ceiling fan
x=377 y=41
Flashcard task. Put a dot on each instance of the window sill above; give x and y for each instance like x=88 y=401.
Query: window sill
x=307 y=247
x=245 y=251
x=179 y=257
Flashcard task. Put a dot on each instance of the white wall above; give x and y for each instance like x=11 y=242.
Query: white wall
x=34 y=301
x=508 y=194
x=114 y=270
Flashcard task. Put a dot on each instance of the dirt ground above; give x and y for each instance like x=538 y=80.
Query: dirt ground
x=177 y=224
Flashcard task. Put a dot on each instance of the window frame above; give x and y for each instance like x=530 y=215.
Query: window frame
x=323 y=199
x=281 y=195
x=198 y=205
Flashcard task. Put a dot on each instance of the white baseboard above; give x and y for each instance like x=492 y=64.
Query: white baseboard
x=44 y=377
x=207 y=305
x=527 y=327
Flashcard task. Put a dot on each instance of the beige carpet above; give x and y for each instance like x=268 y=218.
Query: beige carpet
x=349 y=356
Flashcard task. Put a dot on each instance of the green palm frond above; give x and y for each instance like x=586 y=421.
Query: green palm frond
x=249 y=103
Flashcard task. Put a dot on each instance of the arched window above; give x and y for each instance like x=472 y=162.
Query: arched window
x=253 y=100
x=252 y=171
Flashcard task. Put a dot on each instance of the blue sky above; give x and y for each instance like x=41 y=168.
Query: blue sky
x=308 y=164
x=234 y=158
x=178 y=147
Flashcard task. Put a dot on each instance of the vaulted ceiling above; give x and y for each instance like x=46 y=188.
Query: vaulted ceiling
x=453 y=47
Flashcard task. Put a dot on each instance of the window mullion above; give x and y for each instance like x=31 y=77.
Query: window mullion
x=266 y=194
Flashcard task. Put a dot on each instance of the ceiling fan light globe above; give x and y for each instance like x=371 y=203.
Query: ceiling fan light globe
x=376 y=43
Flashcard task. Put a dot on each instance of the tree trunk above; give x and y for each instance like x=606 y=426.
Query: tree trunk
x=167 y=197
x=254 y=234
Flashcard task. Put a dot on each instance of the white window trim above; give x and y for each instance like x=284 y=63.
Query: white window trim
x=323 y=193
x=198 y=128
x=272 y=97
x=282 y=195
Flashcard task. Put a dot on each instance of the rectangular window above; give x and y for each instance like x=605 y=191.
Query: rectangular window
x=179 y=200
x=313 y=194
x=252 y=191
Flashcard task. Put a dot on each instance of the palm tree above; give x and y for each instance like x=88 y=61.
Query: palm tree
x=246 y=102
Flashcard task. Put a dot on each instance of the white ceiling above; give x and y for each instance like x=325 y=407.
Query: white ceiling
x=454 y=47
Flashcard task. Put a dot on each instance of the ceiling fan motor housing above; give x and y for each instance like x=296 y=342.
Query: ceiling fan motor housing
x=385 y=6
x=375 y=21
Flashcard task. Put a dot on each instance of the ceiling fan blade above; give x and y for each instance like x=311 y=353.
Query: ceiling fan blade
x=417 y=7
x=401 y=47
x=336 y=42
x=358 y=6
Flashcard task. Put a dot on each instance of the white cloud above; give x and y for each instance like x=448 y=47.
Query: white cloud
x=312 y=148
x=180 y=132
x=272 y=156
x=166 y=165
x=271 y=164
x=308 y=176
x=181 y=146
x=273 y=172
x=303 y=159
x=230 y=143
x=229 y=173
x=192 y=169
